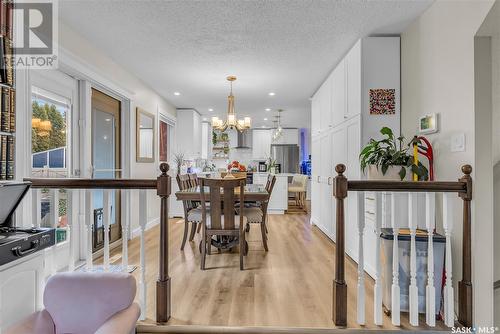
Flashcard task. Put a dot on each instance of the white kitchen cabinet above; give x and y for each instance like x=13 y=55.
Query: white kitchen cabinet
x=325 y=102
x=338 y=94
x=188 y=130
x=261 y=144
x=21 y=288
x=278 y=202
x=353 y=75
x=341 y=130
x=315 y=185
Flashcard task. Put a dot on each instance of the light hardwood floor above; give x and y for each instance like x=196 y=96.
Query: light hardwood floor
x=290 y=286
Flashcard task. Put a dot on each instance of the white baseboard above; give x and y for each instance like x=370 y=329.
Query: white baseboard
x=137 y=231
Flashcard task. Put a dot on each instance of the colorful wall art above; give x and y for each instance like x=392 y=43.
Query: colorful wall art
x=382 y=101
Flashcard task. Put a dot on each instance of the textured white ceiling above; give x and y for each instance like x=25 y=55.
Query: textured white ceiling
x=286 y=47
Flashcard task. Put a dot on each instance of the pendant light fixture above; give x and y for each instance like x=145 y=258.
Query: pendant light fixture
x=278 y=132
x=231 y=122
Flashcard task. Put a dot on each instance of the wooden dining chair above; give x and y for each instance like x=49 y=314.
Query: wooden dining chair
x=220 y=219
x=298 y=190
x=192 y=210
x=258 y=215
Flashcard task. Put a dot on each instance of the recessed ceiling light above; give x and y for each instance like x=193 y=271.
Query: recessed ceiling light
x=108 y=119
x=177 y=93
x=268 y=109
x=265 y=119
x=272 y=94
x=210 y=109
x=263 y=126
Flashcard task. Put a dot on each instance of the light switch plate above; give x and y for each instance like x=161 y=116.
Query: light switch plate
x=458 y=143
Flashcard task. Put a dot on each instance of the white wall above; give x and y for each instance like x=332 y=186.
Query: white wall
x=437 y=54
x=141 y=95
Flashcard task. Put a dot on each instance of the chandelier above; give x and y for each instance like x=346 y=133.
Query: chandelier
x=231 y=122
x=278 y=132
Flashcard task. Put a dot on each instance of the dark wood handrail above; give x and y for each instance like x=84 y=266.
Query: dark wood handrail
x=162 y=184
x=69 y=183
x=463 y=187
x=410 y=186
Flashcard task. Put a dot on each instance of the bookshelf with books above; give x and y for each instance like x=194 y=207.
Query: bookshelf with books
x=7 y=93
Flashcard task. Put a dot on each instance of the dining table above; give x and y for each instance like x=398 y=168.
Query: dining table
x=253 y=193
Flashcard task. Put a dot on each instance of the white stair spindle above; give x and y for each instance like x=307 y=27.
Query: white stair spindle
x=37 y=207
x=449 y=312
x=143 y=217
x=54 y=223
x=361 y=267
x=412 y=219
x=430 y=291
x=70 y=229
x=125 y=229
x=377 y=289
x=106 y=218
x=395 y=290
x=89 y=222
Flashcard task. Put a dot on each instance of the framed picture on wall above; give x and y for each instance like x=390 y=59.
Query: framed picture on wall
x=428 y=124
x=163 y=144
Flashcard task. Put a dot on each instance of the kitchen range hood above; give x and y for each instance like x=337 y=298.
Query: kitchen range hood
x=244 y=140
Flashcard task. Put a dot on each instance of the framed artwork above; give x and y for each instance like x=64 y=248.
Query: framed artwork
x=382 y=101
x=163 y=144
x=428 y=124
x=145 y=134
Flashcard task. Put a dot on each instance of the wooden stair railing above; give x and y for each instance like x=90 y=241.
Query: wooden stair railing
x=163 y=188
x=462 y=187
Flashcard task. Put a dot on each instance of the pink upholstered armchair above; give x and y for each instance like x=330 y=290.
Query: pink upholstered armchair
x=84 y=303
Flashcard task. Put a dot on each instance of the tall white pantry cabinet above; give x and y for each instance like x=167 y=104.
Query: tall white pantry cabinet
x=341 y=125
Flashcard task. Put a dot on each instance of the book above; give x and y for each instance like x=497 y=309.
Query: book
x=5 y=111
x=8 y=59
x=3 y=17
x=11 y=147
x=3 y=65
x=9 y=19
x=3 y=157
x=12 y=99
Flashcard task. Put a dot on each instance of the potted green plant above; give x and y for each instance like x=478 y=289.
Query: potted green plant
x=389 y=158
x=214 y=138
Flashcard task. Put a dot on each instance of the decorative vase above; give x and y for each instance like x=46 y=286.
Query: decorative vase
x=392 y=174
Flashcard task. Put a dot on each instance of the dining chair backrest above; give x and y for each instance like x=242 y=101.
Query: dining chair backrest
x=183 y=181
x=222 y=202
x=271 y=180
x=299 y=180
x=193 y=180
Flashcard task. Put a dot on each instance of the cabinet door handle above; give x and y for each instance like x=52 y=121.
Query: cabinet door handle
x=329 y=180
x=319 y=179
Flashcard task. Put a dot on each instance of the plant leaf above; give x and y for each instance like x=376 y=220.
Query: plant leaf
x=402 y=173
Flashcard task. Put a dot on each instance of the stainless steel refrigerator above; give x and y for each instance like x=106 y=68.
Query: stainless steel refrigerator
x=287 y=156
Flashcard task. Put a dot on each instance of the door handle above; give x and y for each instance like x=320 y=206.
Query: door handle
x=329 y=180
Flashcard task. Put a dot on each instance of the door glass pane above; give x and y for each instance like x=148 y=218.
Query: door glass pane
x=49 y=150
x=105 y=162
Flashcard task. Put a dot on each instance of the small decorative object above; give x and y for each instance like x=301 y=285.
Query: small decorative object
x=427 y=152
x=428 y=124
x=163 y=145
x=224 y=136
x=271 y=164
x=178 y=161
x=235 y=166
x=391 y=157
x=382 y=101
x=145 y=134
x=231 y=122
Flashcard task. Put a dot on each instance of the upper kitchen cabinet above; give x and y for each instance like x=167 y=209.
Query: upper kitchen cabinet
x=326 y=105
x=189 y=140
x=261 y=144
x=353 y=84
x=338 y=94
x=315 y=115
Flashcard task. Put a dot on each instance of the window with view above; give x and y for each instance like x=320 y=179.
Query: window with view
x=49 y=152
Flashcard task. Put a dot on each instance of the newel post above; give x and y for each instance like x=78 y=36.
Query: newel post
x=339 y=284
x=465 y=285
x=163 y=291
